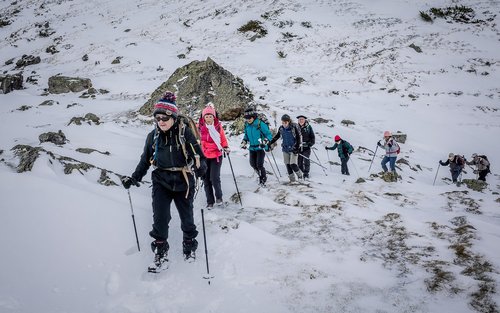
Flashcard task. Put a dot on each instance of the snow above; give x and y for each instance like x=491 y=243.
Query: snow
x=68 y=243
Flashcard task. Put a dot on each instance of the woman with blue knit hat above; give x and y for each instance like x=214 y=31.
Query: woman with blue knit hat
x=172 y=149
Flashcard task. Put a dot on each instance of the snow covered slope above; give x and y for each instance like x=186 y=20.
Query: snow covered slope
x=334 y=246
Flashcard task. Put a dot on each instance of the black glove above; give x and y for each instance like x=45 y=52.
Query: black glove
x=128 y=181
x=295 y=151
x=476 y=172
x=379 y=144
x=201 y=171
x=326 y=148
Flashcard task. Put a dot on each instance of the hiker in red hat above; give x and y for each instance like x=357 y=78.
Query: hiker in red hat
x=344 y=149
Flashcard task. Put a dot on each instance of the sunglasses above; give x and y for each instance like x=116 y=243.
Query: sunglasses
x=163 y=118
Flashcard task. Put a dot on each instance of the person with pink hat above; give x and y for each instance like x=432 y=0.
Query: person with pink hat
x=391 y=151
x=344 y=149
x=213 y=144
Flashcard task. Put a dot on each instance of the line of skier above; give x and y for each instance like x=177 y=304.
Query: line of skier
x=179 y=150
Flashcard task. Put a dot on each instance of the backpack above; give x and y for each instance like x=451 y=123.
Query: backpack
x=346 y=147
x=487 y=161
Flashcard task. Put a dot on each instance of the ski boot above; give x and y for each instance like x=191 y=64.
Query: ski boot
x=189 y=247
x=160 y=263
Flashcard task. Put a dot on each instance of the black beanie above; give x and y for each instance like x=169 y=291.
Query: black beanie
x=286 y=118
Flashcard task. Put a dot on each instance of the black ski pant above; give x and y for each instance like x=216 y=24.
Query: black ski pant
x=305 y=163
x=343 y=166
x=211 y=180
x=257 y=163
x=482 y=175
x=162 y=198
x=455 y=173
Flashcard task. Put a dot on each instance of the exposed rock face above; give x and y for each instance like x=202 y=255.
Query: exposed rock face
x=64 y=84
x=56 y=138
x=200 y=82
x=400 y=137
x=11 y=82
x=27 y=155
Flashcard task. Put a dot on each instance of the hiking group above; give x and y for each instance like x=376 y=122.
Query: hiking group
x=182 y=152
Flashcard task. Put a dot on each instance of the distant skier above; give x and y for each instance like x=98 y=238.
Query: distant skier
x=172 y=177
x=482 y=165
x=308 y=140
x=256 y=139
x=391 y=151
x=213 y=143
x=344 y=149
x=291 y=140
x=456 y=163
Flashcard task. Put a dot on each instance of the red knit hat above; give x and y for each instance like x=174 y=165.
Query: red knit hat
x=166 y=105
x=337 y=138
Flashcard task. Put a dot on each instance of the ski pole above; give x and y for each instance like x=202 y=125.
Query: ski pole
x=272 y=167
x=329 y=162
x=272 y=154
x=374 y=154
x=133 y=220
x=234 y=178
x=436 y=174
x=206 y=250
x=313 y=161
x=318 y=161
x=354 y=167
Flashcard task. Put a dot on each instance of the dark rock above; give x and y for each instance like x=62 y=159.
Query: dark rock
x=48 y=103
x=416 y=48
x=400 y=137
x=64 y=84
x=200 y=82
x=90 y=150
x=10 y=61
x=360 y=180
x=51 y=49
x=262 y=78
x=105 y=180
x=27 y=155
x=89 y=118
x=181 y=56
x=403 y=161
x=46 y=32
x=320 y=120
x=254 y=27
x=85 y=58
x=4 y=22
x=56 y=138
x=347 y=122
x=24 y=108
x=11 y=82
x=298 y=80
x=103 y=91
x=27 y=60
x=116 y=60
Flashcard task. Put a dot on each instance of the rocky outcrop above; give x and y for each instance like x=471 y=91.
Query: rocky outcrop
x=27 y=155
x=27 y=60
x=11 y=82
x=64 y=84
x=200 y=82
x=400 y=137
x=56 y=138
